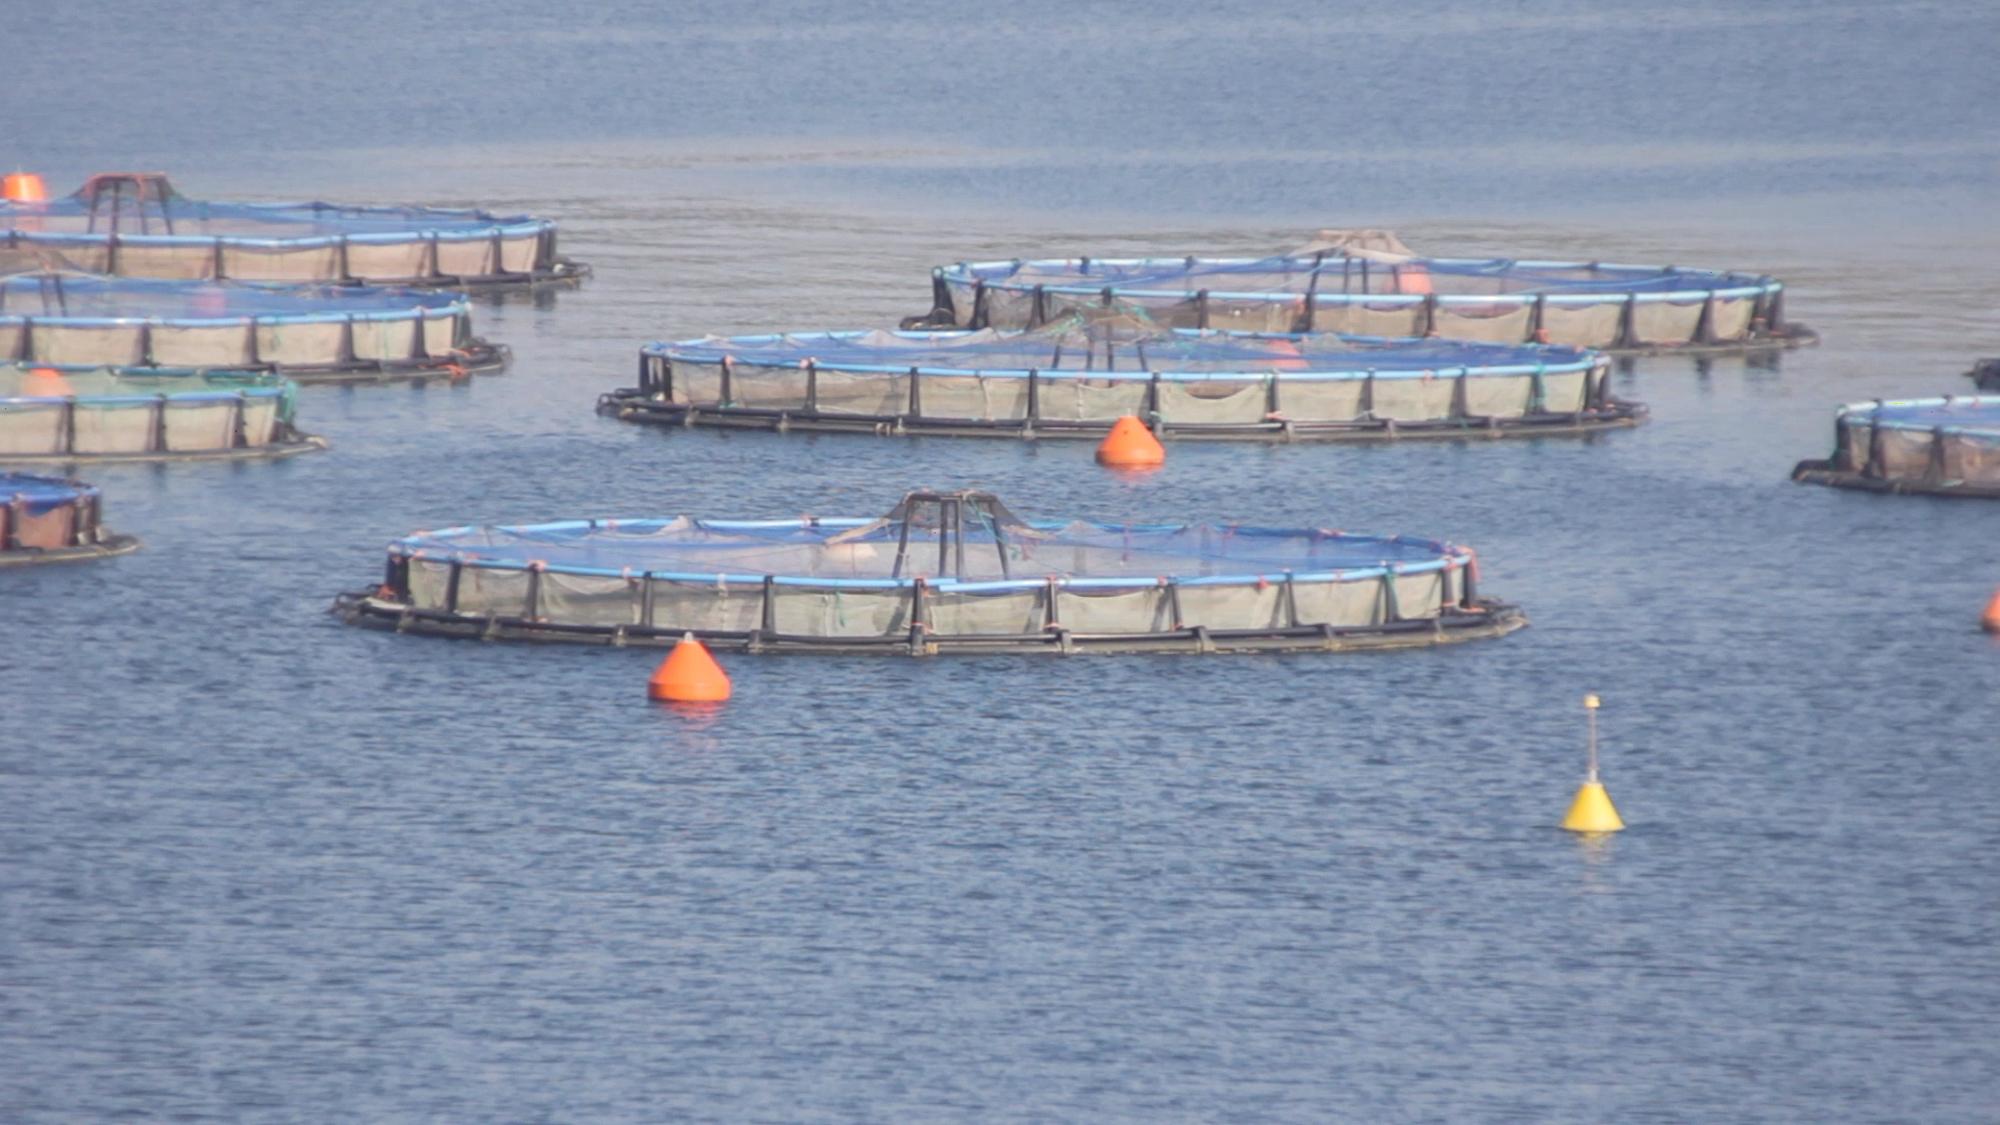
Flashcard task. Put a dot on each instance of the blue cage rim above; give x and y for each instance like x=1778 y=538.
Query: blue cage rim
x=1726 y=284
x=1880 y=413
x=1451 y=557
x=1560 y=359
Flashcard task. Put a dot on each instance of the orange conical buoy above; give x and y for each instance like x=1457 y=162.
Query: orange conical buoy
x=45 y=382
x=1130 y=445
x=689 y=675
x=1990 y=620
x=24 y=187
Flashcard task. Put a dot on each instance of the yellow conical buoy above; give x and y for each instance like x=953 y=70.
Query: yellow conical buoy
x=1592 y=810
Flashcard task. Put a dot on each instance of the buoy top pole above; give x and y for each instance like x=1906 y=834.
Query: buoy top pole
x=1590 y=705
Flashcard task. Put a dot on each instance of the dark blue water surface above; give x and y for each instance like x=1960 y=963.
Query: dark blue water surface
x=258 y=865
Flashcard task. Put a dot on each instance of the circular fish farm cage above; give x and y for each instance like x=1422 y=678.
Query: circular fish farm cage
x=50 y=519
x=1617 y=308
x=311 y=333
x=137 y=225
x=99 y=414
x=1931 y=446
x=1076 y=378
x=943 y=572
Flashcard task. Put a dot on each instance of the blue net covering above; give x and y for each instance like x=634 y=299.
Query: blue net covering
x=1105 y=348
x=72 y=296
x=890 y=552
x=41 y=494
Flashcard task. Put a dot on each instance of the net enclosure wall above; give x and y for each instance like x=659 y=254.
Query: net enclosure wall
x=942 y=572
x=51 y=519
x=98 y=414
x=1077 y=377
x=1939 y=446
x=311 y=332
x=1580 y=304
x=137 y=225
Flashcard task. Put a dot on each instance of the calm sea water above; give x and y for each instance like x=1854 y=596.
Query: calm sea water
x=256 y=865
